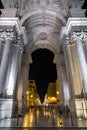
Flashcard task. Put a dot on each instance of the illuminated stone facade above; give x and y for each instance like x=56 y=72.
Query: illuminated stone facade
x=57 y=25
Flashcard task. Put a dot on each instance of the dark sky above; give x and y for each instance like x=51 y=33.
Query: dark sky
x=42 y=70
x=1 y=5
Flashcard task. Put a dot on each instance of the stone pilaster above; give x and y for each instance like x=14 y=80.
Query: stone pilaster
x=76 y=63
x=13 y=41
x=77 y=37
x=4 y=61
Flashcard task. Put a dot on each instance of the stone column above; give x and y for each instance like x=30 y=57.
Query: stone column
x=60 y=80
x=73 y=74
x=25 y=72
x=69 y=68
x=23 y=80
x=0 y=43
x=14 y=70
x=66 y=92
x=83 y=63
x=76 y=31
x=4 y=63
x=12 y=88
x=78 y=37
x=0 y=49
x=73 y=68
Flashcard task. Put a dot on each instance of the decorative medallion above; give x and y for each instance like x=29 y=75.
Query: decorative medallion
x=43 y=36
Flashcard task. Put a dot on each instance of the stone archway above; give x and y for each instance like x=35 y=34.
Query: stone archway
x=43 y=26
x=42 y=70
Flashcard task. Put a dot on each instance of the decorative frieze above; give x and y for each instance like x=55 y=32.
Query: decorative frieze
x=39 y=2
x=54 y=5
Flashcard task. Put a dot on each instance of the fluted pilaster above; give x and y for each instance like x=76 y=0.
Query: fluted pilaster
x=11 y=33
x=76 y=64
x=4 y=63
x=82 y=59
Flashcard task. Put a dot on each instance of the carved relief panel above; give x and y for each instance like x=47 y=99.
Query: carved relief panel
x=58 y=3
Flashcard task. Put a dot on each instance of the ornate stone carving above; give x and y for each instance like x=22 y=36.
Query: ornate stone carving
x=85 y=34
x=43 y=3
x=9 y=30
x=43 y=36
x=7 y=33
x=79 y=33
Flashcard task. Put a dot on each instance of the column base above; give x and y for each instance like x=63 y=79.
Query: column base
x=78 y=108
x=81 y=107
x=72 y=106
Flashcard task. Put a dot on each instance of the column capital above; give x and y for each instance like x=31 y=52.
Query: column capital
x=77 y=35
x=11 y=29
x=85 y=36
x=76 y=28
x=7 y=33
x=75 y=32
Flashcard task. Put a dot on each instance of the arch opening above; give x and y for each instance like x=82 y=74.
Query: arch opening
x=42 y=70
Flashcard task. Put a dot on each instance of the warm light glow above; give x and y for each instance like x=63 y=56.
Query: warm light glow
x=31 y=96
x=57 y=92
x=28 y=120
x=60 y=122
x=27 y=92
x=52 y=100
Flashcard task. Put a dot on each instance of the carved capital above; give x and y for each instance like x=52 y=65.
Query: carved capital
x=11 y=34
x=85 y=35
x=80 y=34
x=7 y=33
x=77 y=34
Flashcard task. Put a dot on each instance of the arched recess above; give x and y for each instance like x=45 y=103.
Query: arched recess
x=27 y=60
x=42 y=70
x=42 y=38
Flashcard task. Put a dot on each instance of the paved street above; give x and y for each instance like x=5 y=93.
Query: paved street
x=38 y=118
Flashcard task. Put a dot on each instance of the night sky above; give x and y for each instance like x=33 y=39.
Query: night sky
x=42 y=70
